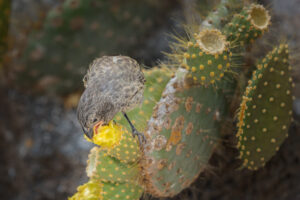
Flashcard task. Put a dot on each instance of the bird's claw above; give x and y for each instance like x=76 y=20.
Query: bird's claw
x=141 y=136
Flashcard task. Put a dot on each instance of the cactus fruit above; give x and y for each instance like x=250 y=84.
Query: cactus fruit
x=182 y=113
x=248 y=25
x=207 y=57
x=266 y=109
x=183 y=129
x=79 y=31
x=4 y=24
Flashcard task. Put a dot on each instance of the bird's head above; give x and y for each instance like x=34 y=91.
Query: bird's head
x=93 y=111
x=88 y=114
x=97 y=130
x=107 y=136
x=91 y=125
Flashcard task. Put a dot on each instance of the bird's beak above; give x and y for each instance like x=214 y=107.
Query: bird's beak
x=88 y=132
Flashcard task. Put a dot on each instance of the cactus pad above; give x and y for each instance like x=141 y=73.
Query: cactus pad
x=183 y=129
x=114 y=170
x=207 y=57
x=105 y=168
x=266 y=109
x=248 y=25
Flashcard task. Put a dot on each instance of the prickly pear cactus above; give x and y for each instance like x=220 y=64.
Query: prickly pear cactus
x=183 y=129
x=175 y=130
x=207 y=57
x=266 y=110
x=182 y=112
x=248 y=25
x=80 y=30
x=113 y=168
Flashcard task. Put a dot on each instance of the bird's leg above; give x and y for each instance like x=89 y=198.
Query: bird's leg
x=135 y=132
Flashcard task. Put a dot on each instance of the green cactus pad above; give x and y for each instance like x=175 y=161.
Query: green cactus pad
x=156 y=80
x=107 y=169
x=121 y=191
x=248 y=25
x=127 y=151
x=183 y=129
x=207 y=57
x=266 y=110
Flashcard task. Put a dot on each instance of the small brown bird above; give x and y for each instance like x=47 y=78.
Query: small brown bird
x=112 y=84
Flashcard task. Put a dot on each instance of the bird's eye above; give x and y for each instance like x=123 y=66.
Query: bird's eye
x=95 y=120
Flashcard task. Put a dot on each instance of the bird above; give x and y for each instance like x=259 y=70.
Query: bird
x=112 y=84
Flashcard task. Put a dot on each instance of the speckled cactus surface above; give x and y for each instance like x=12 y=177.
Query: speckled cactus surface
x=248 y=25
x=187 y=101
x=266 y=110
x=207 y=57
x=183 y=129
